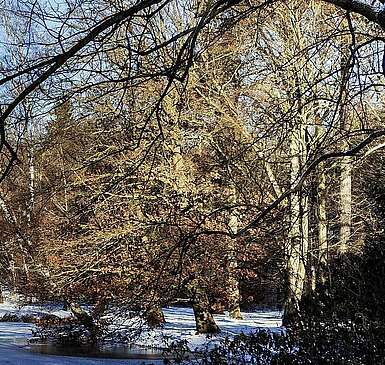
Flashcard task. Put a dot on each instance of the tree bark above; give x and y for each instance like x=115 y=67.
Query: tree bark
x=319 y=273
x=232 y=265
x=362 y=8
x=345 y=204
x=153 y=311
x=85 y=319
x=204 y=320
x=299 y=231
x=345 y=162
x=233 y=284
x=155 y=317
x=322 y=228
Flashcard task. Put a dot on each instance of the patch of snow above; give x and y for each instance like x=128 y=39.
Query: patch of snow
x=12 y=306
x=10 y=331
x=180 y=326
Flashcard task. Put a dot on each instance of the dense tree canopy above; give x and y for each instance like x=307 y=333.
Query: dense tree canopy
x=215 y=151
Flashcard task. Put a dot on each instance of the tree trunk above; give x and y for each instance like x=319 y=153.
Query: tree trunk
x=31 y=203
x=233 y=284
x=232 y=265
x=298 y=234
x=155 y=317
x=179 y=178
x=204 y=320
x=345 y=204
x=319 y=273
x=85 y=319
x=345 y=162
x=322 y=228
x=153 y=311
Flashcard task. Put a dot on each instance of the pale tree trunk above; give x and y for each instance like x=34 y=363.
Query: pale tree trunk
x=270 y=174
x=323 y=246
x=320 y=259
x=31 y=205
x=232 y=262
x=298 y=235
x=9 y=217
x=31 y=184
x=178 y=168
x=305 y=239
x=299 y=230
x=345 y=204
x=11 y=220
x=345 y=208
x=233 y=283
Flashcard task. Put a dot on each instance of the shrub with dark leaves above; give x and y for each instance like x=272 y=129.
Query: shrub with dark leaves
x=345 y=343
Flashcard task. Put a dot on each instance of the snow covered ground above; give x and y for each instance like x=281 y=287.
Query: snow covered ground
x=179 y=325
x=13 y=306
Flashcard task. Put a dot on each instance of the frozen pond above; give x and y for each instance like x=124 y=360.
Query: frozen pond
x=14 y=350
x=105 y=351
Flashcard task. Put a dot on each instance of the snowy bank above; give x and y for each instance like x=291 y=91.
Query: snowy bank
x=179 y=326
